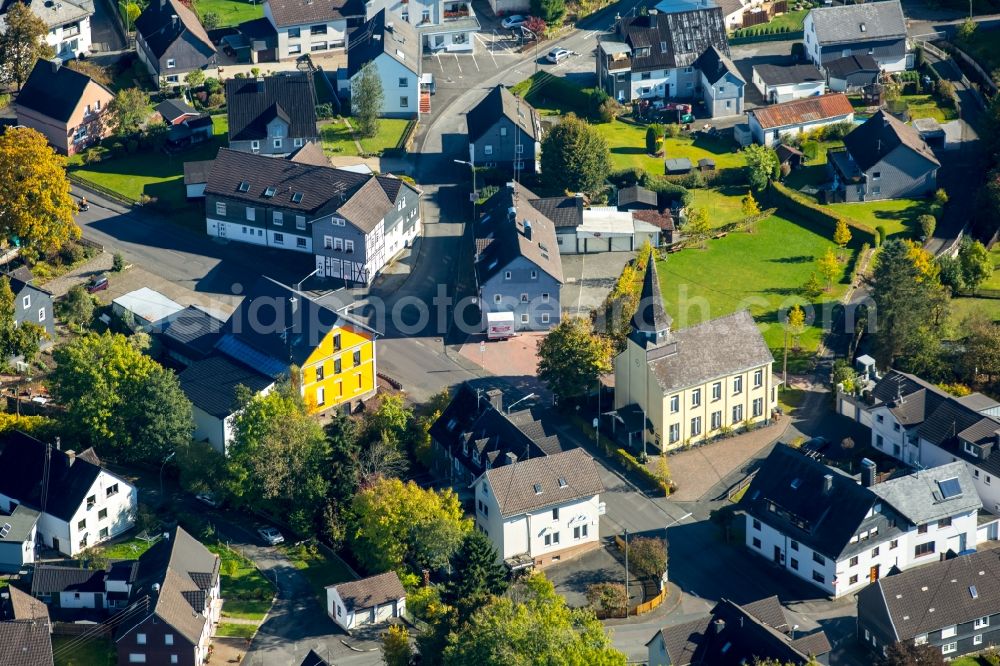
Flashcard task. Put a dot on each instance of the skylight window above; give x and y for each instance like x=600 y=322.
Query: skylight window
x=4 y=530
x=973 y=592
x=796 y=483
x=538 y=489
x=269 y=192
x=297 y=197
x=244 y=186
x=562 y=482
x=950 y=488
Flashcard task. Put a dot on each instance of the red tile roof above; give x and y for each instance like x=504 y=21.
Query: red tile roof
x=805 y=110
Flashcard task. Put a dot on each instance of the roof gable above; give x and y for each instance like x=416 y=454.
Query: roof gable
x=859 y=23
x=541 y=482
x=164 y=22
x=501 y=103
x=55 y=91
x=672 y=39
x=510 y=228
x=379 y=590
x=883 y=134
x=395 y=38
x=253 y=103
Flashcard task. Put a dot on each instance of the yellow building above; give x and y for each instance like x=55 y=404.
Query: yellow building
x=278 y=330
x=681 y=387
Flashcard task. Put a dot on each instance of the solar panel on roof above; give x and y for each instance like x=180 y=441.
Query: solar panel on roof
x=4 y=530
x=950 y=488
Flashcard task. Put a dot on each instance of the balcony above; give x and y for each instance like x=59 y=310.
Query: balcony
x=457 y=11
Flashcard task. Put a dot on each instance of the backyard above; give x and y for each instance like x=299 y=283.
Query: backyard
x=230 y=12
x=338 y=138
x=69 y=651
x=247 y=593
x=787 y=22
x=318 y=568
x=898 y=216
x=927 y=106
x=627 y=143
x=130 y=549
x=762 y=271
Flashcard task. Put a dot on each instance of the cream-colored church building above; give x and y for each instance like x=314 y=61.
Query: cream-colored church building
x=690 y=384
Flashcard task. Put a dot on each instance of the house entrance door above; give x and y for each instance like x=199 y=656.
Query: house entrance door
x=777 y=555
x=873 y=574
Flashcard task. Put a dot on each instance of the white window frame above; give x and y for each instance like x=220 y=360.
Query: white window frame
x=26 y=301
x=41 y=314
x=171 y=63
x=949 y=648
x=278 y=218
x=251 y=214
x=949 y=632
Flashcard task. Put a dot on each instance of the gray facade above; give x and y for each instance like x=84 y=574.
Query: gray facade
x=899 y=175
x=34 y=305
x=507 y=146
x=725 y=97
x=527 y=291
x=278 y=141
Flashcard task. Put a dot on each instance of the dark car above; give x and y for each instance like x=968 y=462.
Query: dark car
x=96 y=284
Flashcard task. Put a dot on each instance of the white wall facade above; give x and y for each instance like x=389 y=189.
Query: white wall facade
x=772 y=136
x=891 y=438
x=351 y=619
x=788 y=92
x=81 y=599
x=257 y=236
x=320 y=37
x=847 y=576
x=400 y=86
x=987 y=485
x=71 y=40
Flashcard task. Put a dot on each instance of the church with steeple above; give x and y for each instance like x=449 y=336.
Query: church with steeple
x=678 y=387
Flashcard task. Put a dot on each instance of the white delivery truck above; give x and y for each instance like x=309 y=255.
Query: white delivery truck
x=499 y=325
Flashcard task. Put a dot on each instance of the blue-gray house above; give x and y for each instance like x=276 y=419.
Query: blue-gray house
x=518 y=267
x=31 y=303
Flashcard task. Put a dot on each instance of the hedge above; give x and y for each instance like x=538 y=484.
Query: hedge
x=633 y=464
x=779 y=196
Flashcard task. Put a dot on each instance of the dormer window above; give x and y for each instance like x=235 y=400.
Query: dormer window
x=452 y=423
x=538 y=489
x=970 y=448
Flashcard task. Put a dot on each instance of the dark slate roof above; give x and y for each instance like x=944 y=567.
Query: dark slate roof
x=18 y=605
x=54 y=91
x=397 y=39
x=978 y=401
x=880 y=135
x=734 y=635
x=936 y=595
x=197 y=172
x=184 y=569
x=565 y=212
x=50 y=579
x=841 y=68
x=685 y=35
x=158 y=29
x=530 y=485
x=706 y=351
x=25 y=643
x=470 y=428
x=629 y=197
x=823 y=521
x=311 y=152
x=909 y=398
x=325 y=190
x=715 y=64
x=859 y=23
x=124 y=571
x=777 y=75
x=210 y=384
x=500 y=102
x=301 y=12
x=313 y=659
x=253 y=103
x=370 y=592
x=651 y=323
x=172 y=109
x=279 y=323
x=69 y=482
x=918 y=497
x=192 y=331
x=507 y=238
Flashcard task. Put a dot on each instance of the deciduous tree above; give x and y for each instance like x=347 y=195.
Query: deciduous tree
x=977 y=266
x=751 y=208
x=36 y=209
x=829 y=267
x=195 y=78
x=571 y=358
x=366 y=100
x=396 y=646
x=796 y=323
x=477 y=575
x=128 y=111
x=396 y=525
x=575 y=157
x=980 y=353
x=813 y=288
x=842 y=234
x=22 y=44
x=697 y=228
x=531 y=626
x=647 y=557
x=762 y=164
x=905 y=653
x=928 y=223
x=608 y=597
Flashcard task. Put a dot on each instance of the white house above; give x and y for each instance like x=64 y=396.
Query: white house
x=779 y=83
x=543 y=510
x=768 y=124
x=68 y=22
x=305 y=27
x=68 y=586
x=877 y=29
x=394 y=48
x=82 y=504
x=371 y=600
x=821 y=525
x=18 y=532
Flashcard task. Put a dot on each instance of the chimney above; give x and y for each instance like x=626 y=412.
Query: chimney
x=527 y=229
x=56 y=64
x=70 y=457
x=495 y=397
x=511 y=185
x=827 y=483
x=166 y=536
x=176 y=21
x=58 y=444
x=510 y=458
x=156 y=587
x=868 y=470
x=718 y=625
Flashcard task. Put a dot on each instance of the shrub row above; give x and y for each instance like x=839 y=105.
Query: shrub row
x=780 y=196
x=632 y=463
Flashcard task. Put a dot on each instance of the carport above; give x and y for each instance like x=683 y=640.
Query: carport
x=605 y=229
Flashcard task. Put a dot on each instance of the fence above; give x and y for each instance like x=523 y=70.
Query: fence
x=100 y=189
x=650 y=603
x=741 y=486
x=78 y=629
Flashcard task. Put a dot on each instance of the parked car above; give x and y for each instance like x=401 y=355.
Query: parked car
x=270 y=535
x=98 y=283
x=207 y=498
x=557 y=55
x=513 y=21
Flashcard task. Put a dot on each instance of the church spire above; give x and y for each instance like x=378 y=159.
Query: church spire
x=651 y=323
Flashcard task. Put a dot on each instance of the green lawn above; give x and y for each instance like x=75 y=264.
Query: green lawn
x=126 y=550
x=791 y=20
x=246 y=591
x=762 y=272
x=627 y=143
x=339 y=140
x=95 y=652
x=724 y=204
x=963 y=307
x=994 y=281
x=813 y=173
x=926 y=106
x=230 y=12
x=317 y=567
x=236 y=630
x=898 y=216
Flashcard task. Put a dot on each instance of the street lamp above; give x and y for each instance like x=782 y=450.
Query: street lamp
x=298 y=286
x=626 y=573
x=674 y=522
x=475 y=194
x=530 y=395
x=165 y=461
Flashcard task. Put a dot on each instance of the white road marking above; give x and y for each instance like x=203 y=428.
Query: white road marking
x=459 y=65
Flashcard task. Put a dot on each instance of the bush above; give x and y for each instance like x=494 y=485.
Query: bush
x=216 y=99
x=880 y=236
x=810 y=149
x=673 y=130
x=632 y=463
x=118 y=262
x=608 y=110
x=212 y=86
x=609 y=598
x=837 y=131
x=928 y=224
x=72 y=253
x=652 y=141
x=210 y=20
x=946 y=93
x=627 y=177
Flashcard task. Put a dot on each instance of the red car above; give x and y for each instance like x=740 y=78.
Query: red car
x=97 y=284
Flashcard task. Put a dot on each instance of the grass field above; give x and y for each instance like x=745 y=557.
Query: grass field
x=898 y=216
x=724 y=204
x=963 y=307
x=339 y=140
x=926 y=106
x=791 y=20
x=627 y=144
x=96 y=652
x=126 y=550
x=230 y=12
x=236 y=630
x=994 y=281
x=317 y=567
x=813 y=173
x=984 y=46
x=762 y=272
x=247 y=592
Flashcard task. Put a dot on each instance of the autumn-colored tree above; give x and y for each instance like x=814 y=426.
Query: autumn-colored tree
x=128 y=111
x=697 y=227
x=132 y=12
x=929 y=269
x=662 y=470
x=842 y=234
x=89 y=68
x=396 y=646
x=829 y=267
x=36 y=209
x=813 y=288
x=796 y=324
x=22 y=44
x=751 y=209
x=571 y=358
x=647 y=557
x=195 y=78
x=610 y=598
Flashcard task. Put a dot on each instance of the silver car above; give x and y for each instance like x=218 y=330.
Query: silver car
x=270 y=535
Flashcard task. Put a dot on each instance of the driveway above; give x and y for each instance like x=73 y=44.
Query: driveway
x=589 y=279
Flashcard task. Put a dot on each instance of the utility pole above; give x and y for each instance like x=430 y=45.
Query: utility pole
x=626 y=573
x=784 y=363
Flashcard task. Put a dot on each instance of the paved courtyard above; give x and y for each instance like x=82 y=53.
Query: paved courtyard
x=589 y=279
x=515 y=359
